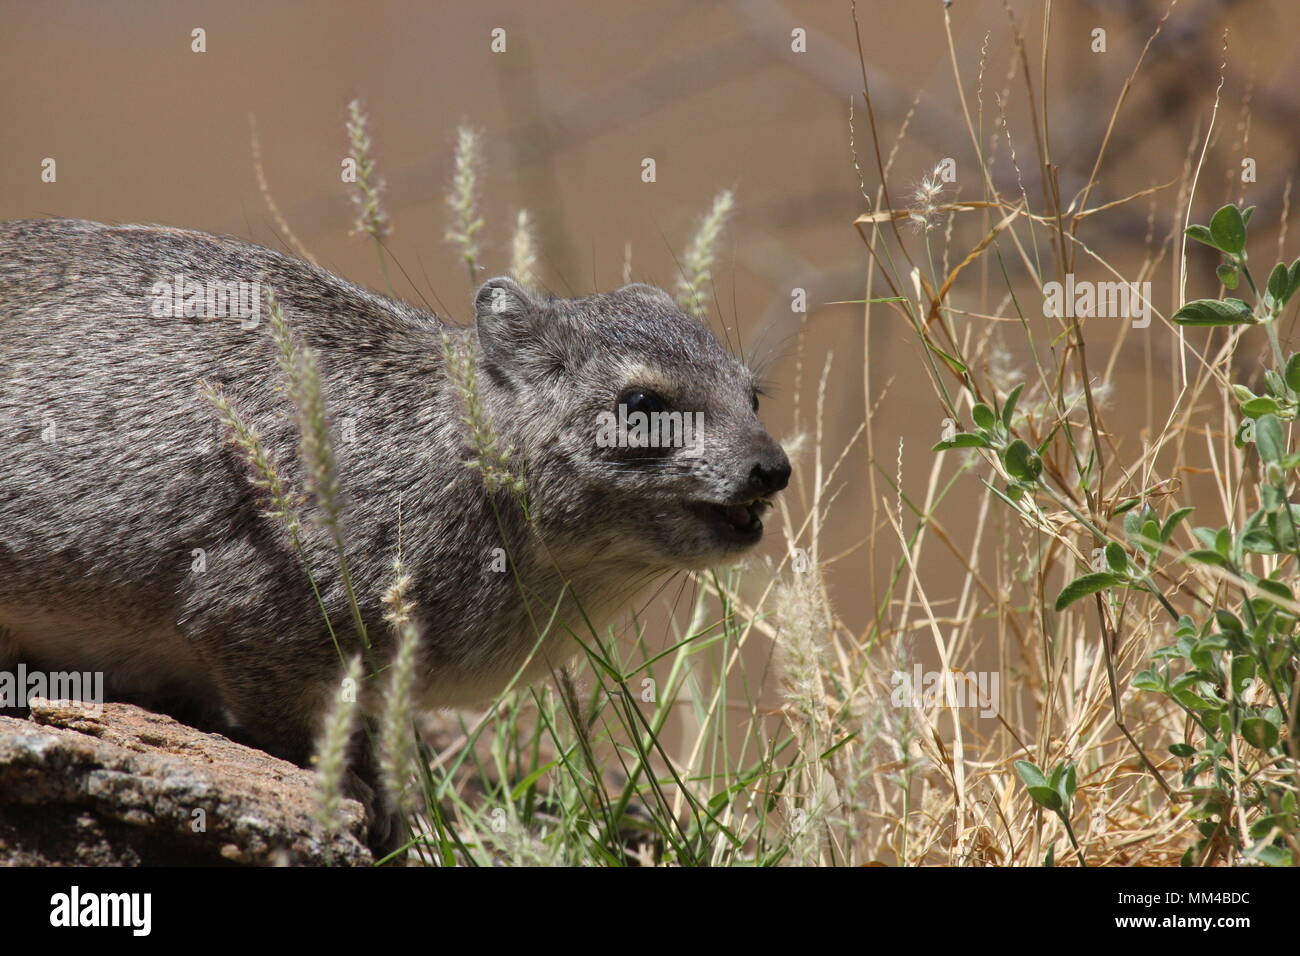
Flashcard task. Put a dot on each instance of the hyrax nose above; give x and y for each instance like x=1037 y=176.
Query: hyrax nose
x=771 y=472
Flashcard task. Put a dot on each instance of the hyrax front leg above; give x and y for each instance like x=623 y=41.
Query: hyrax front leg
x=284 y=710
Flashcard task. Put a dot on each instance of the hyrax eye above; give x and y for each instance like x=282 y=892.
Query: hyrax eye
x=755 y=401
x=641 y=400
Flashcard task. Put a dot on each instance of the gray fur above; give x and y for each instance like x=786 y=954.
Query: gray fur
x=100 y=514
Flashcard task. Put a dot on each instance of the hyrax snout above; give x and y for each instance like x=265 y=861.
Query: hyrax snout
x=135 y=540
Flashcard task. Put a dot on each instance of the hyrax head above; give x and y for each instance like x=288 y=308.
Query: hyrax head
x=650 y=444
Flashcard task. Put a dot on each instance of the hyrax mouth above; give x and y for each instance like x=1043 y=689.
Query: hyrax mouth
x=740 y=521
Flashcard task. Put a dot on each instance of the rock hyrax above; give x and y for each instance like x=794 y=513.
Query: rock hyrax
x=133 y=543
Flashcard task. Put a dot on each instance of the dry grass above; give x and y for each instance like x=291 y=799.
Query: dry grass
x=950 y=794
x=838 y=772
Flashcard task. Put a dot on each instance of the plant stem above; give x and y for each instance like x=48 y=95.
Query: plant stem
x=1069 y=831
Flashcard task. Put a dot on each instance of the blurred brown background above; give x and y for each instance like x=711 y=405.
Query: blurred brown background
x=144 y=130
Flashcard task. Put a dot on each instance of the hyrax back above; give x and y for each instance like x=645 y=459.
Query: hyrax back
x=133 y=542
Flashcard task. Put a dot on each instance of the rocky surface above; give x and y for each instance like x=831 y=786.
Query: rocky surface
x=128 y=787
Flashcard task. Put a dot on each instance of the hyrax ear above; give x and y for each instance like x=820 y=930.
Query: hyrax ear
x=502 y=296
x=518 y=332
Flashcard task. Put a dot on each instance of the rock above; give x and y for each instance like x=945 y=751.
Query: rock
x=128 y=787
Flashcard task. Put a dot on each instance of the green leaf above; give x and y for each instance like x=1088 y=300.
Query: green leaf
x=1201 y=234
x=983 y=415
x=1228 y=229
x=1150 y=680
x=1067 y=785
x=962 y=440
x=1150 y=538
x=522 y=787
x=1116 y=558
x=1228 y=275
x=1037 y=785
x=1083 y=586
x=1258 y=732
x=1292 y=375
x=1214 y=312
x=1042 y=447
x=1228 y=621
x=1184 y=691
x=1279 y=523
x=1243 y=672
x=1266 y=824
x=1021 y=462
x=1263 y=405
x=953 y=363
x=1126 y=505
x=1182 y=750
x=1270 y=855
x=1203 y=656
x=1275 y=588
x=1009 y=408
x=1279 y=284
x=1259 y=541
x=1171 y=523
x=1133 y=524
x=1268 y=437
